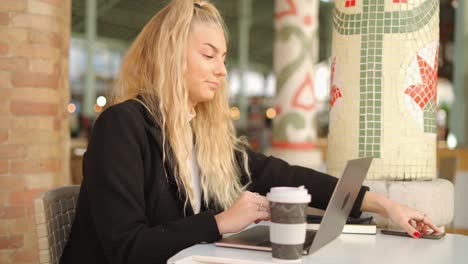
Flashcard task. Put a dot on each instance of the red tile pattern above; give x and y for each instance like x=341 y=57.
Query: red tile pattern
x=350 y=3
x=335 y=92
x=291 y=11
x=423 y=92
x=307 y=86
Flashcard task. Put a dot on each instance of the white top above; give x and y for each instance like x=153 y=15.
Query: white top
x=191 y=163
x=196 y=185
x=195 y=174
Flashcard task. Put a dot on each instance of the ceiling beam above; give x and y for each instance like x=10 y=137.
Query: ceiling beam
x=101 y=11
x=126 y=18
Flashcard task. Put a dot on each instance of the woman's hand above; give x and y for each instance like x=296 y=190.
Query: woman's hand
x=249 y=208
x=411 y=220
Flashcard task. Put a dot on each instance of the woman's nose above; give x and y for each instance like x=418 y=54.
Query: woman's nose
x=221 y=70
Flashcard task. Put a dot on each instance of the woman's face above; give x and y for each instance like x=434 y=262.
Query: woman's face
x=205 y=62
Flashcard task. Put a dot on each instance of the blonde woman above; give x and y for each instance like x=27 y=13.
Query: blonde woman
x=164 y=169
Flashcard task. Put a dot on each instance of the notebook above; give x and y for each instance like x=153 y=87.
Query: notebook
x=334 y=218
x=353 y=225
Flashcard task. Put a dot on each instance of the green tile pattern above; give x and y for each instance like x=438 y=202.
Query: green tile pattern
x=392 y=22
x=372 y=24
x=430 y=125
x=291 y=119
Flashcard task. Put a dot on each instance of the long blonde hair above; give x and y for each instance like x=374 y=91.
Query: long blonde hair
x=154 y=68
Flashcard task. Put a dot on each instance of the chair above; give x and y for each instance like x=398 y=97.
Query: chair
x=54 y=213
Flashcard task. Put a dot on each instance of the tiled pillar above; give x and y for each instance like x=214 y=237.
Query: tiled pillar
x=34 y=133
x=384 y=74
x=384 y=98
x=295 y=54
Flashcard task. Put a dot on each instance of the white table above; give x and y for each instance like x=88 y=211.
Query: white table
x=347 y=248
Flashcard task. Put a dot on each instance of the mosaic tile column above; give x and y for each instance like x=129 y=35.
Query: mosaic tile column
x=295 y=54
x=384 y=98
x=383 y=94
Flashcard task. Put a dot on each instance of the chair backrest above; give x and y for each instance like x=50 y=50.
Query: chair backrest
x=54 y=214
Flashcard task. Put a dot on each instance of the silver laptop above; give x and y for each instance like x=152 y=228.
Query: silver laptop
x=334 y=219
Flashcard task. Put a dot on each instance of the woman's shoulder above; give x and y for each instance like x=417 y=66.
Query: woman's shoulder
x=129 y=107
x=120 y=115
x=131 y=111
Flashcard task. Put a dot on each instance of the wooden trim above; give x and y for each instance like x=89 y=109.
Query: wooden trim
x=461 y=153
x=460 y=231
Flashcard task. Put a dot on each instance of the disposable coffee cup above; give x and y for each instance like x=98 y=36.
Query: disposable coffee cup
x=288 y=222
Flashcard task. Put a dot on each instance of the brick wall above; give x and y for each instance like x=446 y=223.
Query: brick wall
x=34 y=133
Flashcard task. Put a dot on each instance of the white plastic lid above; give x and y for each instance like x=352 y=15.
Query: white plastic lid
x=289 y=195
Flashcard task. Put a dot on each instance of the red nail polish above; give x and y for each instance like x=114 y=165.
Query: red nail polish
x=417 y=234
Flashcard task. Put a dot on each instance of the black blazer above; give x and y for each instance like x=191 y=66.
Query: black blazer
x=130 y=212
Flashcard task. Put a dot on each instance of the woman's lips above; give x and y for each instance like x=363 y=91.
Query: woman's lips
x=213 y=84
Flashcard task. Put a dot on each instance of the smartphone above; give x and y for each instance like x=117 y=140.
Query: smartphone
x=431 y=235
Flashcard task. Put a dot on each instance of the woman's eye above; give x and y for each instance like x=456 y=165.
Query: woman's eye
x=208 y=56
